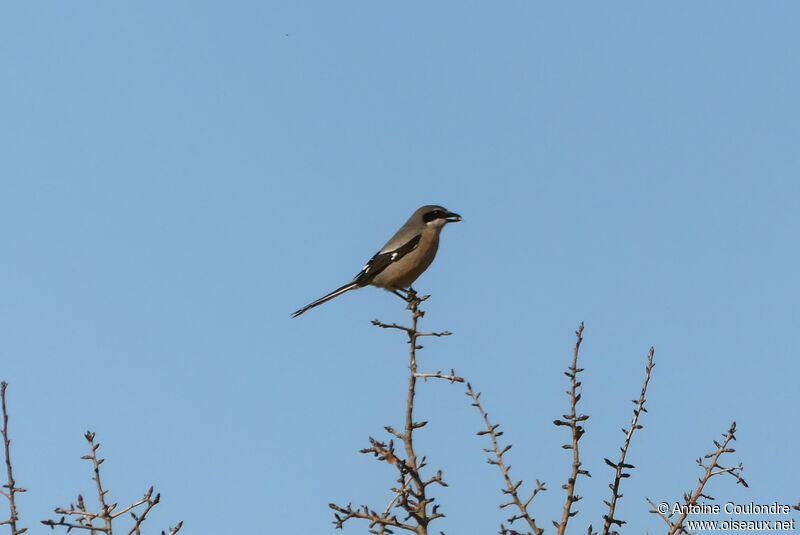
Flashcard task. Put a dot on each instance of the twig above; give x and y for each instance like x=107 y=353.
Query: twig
x=453 y=378
x=176 y=529
x=365 y=513
x=403 y=482
x=11 y=484
x=609 y=518
x=78 y=517
x=573 y=421
x=138 y=519
x=512 y=488
x=62 y=522
x=711 y=470
x=105 y=511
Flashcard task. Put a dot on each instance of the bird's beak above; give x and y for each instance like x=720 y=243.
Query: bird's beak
x=450 y=217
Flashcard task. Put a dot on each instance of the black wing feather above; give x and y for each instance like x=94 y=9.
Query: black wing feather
x=381 y=261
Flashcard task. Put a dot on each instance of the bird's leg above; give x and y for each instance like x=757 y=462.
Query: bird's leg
x=410 y=295
x=396 y=291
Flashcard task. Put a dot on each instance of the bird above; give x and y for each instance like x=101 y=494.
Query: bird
x=404 y=257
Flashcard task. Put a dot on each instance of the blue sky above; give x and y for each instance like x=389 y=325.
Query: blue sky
x=177 y=178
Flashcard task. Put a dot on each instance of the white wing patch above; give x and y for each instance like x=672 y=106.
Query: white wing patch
x=366 y=266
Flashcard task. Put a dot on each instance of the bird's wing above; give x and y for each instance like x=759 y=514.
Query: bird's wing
x=384 y=259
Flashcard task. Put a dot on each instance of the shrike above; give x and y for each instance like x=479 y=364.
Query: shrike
x=404 y=257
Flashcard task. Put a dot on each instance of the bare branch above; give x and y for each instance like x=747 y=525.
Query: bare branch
x=711 y=470
x=572 y=420
x=378 y=323
x=11 y=484
x=621 y=465
x=382 y=521
x=78 y=517
x=146 y=499
x=105 y=512
x=453 y=378
x=411 y=496
x=138 y=519
x=512 y=488
x=62 y=522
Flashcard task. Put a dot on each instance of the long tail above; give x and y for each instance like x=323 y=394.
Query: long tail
x=339 y=291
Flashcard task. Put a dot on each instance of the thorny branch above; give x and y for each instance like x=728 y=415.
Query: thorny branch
x=621 y=464
x=78 y=517
x=11 y=484
x=512 y=488
x=710 y=470
x=573 y=421
x=412 y=493
x=411 y=497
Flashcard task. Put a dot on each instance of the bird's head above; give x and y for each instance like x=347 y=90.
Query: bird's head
x=436 y=216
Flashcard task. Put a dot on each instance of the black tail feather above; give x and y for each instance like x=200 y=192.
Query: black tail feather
x=339 y=291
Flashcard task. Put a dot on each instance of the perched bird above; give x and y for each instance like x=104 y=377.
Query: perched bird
x=404 y=257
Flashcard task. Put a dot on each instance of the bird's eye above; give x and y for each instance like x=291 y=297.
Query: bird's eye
x=433 y=214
